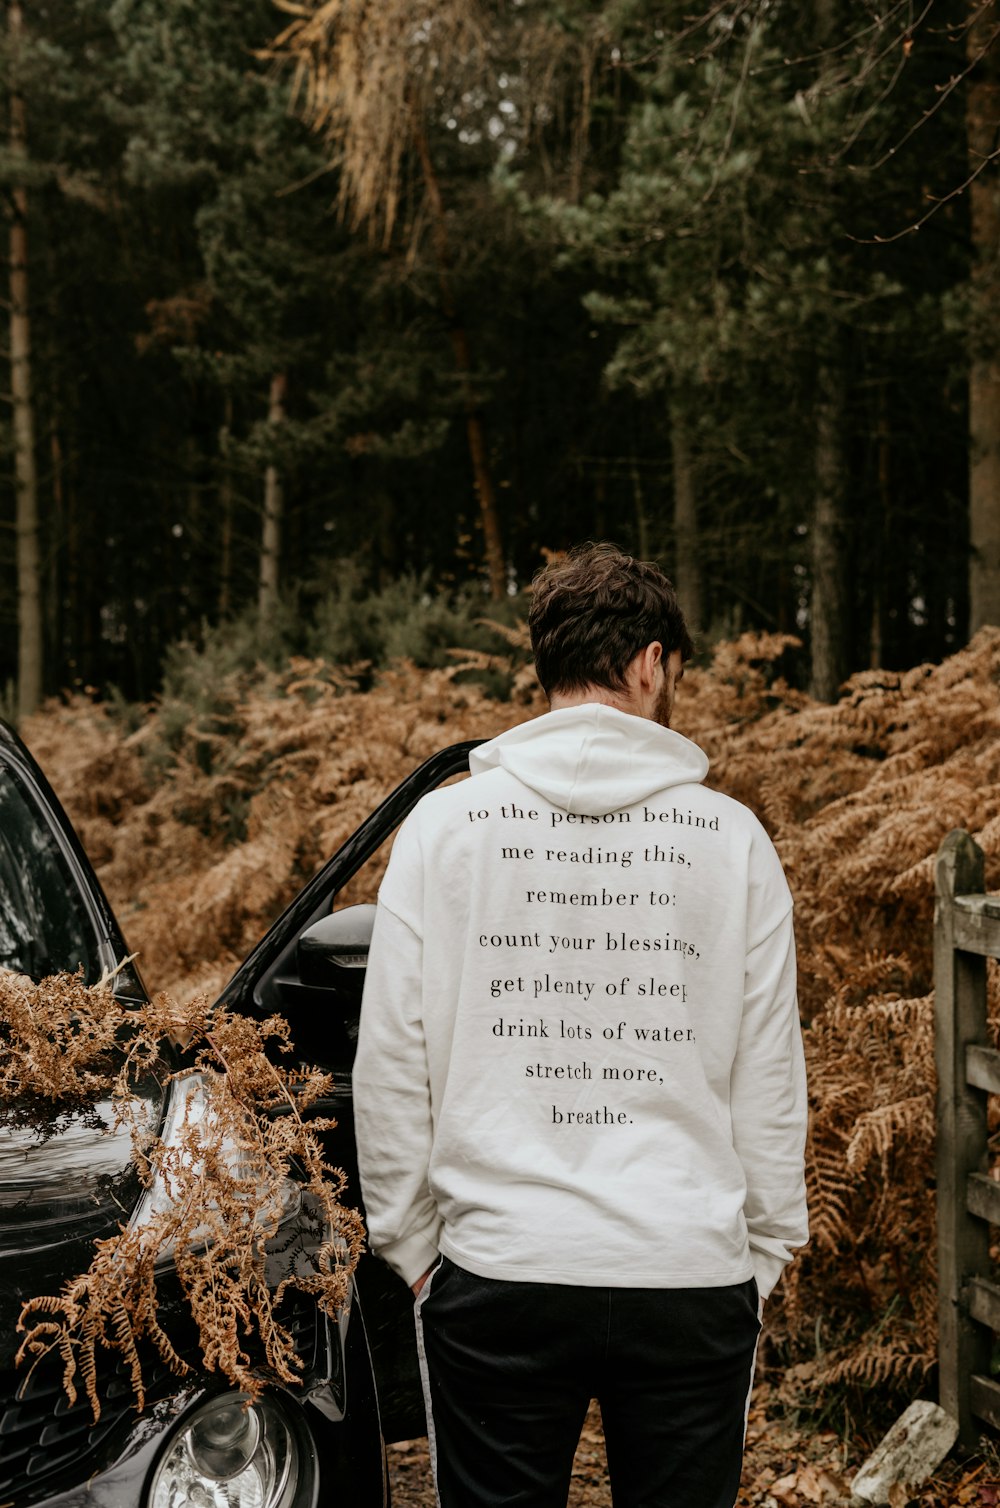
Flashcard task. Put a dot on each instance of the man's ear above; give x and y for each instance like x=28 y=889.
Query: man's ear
x=648 y=659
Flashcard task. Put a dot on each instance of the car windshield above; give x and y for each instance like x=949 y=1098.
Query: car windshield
x=44 y=925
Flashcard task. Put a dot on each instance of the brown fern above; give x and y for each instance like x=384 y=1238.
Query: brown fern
x=857 y=796
x=226 y=1174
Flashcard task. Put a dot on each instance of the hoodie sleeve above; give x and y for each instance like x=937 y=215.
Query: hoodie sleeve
x=768 y=1086
x=392 y=1101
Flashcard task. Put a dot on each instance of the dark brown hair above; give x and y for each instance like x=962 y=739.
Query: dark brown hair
x=593 y=610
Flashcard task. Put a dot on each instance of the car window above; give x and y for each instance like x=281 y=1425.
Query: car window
x=44 y=925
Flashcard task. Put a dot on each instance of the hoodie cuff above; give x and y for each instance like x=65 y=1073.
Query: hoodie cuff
x=767 y=1269
x=411 y=1257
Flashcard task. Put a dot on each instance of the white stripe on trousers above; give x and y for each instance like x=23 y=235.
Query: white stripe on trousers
x=425 y=1378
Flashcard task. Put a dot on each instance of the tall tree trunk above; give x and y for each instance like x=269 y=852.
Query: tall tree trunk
x=828 y=606
x=828 y=536
x=54 y=565
x=57 y=533
x=74 y=604
x=225 y=512
x=474 y=428
x=384 y=532
x=641 y=521
x=29 y=573
x=880 y=563
x=274 y=502
x=983 y=121
x=685 y=522
x=600 y=499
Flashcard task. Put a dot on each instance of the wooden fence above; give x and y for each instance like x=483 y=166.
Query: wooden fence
x=966 y=934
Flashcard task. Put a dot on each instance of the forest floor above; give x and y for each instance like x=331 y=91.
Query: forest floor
x=785 y=1466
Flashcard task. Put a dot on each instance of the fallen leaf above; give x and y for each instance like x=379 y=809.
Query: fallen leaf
x=817 y=1486
x=784 y=1491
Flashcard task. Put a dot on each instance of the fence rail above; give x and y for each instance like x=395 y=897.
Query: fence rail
x=966 y=933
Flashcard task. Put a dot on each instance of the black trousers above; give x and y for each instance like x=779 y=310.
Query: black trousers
x=510 y=1369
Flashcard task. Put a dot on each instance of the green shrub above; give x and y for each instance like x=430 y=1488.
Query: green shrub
x=339 y=619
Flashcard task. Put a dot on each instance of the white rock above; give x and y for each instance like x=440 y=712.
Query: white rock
x=915 y=1446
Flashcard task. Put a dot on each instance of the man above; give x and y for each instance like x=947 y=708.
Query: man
x=580 y=1097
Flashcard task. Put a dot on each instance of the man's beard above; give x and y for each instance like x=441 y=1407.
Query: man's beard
x=664 y=705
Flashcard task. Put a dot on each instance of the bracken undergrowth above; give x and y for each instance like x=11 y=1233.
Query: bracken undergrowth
x=201 y=842
x=245 y=1143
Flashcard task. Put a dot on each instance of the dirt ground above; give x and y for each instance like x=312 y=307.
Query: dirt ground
x=784 y=1467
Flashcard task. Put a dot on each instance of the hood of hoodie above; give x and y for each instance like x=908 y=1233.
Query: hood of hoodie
x=593 y=759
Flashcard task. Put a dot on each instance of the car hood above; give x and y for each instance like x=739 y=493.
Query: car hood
x=67 y=1178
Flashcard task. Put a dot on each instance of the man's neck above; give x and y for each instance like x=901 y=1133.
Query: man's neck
x=620 y=700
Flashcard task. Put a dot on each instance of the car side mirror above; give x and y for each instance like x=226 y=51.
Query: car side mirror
x=333 y=952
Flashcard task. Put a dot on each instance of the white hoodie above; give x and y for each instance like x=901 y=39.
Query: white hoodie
x=580 y=1058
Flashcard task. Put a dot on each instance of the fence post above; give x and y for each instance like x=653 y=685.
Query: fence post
x=963 y=1239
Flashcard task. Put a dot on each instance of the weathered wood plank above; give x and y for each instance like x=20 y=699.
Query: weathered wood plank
x=984 y=1302
x=983 y=1198
x=960 y=1022
x=982 y=1068
x=977 y=924
x=984 y=1396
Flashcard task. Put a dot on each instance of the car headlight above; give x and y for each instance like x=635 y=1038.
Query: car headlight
x=190 y=1106
x=231 y=1453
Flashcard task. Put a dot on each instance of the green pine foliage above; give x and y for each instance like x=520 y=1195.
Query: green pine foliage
x=652 y=216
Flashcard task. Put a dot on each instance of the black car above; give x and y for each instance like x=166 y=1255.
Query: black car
x=66 y=1183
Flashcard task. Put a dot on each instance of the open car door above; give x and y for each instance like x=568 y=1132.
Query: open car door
x=310 y=968
x=58 y=1192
